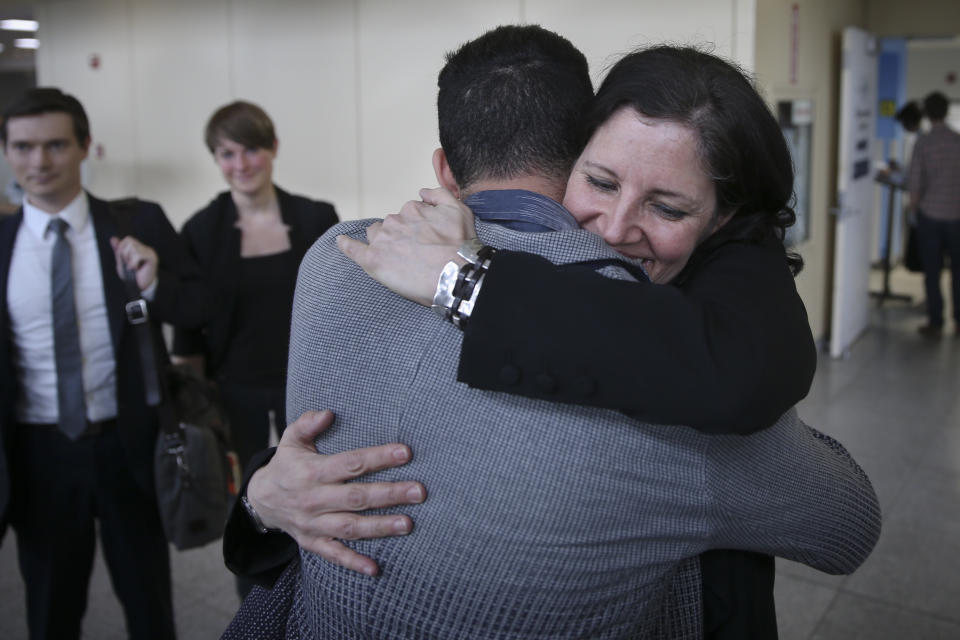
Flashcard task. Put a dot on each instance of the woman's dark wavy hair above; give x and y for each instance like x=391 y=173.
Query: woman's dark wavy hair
x=741 y=145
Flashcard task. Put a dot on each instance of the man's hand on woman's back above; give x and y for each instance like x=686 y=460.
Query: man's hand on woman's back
x=308 y=495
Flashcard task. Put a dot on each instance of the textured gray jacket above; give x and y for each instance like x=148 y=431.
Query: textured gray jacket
x=543 y=520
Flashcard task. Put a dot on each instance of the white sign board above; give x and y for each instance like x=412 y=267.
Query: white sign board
x=855 y=198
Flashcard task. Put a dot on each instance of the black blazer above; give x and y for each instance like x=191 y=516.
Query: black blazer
x=727 y=351
x=213 y=241
x=179 y=299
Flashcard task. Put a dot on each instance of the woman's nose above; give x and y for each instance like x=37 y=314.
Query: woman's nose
x=622 y=226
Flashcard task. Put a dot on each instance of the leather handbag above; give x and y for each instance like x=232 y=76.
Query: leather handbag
x=196 y=471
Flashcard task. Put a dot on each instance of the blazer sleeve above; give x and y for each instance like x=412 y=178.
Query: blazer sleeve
x=728 y=352
x=181 y=294
x=260 y=557
x=792 y=492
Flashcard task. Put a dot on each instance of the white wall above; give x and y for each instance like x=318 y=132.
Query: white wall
x=350 y=84
x=930 y=64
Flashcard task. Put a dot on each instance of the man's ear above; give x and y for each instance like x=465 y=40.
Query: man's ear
x=444 y=174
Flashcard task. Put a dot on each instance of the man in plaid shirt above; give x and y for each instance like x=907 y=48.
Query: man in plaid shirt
x=934 y=183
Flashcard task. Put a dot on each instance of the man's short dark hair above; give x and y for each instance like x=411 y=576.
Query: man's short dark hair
x=510 y=104
x=935 y=105
x=40 y=100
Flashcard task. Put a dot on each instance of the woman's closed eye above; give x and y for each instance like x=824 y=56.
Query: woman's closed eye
x=669 y=212
x=601 y=185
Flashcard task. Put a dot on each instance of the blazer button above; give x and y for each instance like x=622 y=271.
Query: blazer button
x=509 y=374
x=584 y=386
x=546 y=382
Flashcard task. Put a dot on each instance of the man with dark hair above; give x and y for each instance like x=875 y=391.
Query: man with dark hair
x=934 y=182
x=584 y=541
x=505 y=70
x=531 y=121
x=76 y=435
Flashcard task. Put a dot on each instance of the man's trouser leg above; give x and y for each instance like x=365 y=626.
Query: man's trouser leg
x=953 y=250
x=60 y=487
x=929 y=237
x=53 y=519
x=134 y=546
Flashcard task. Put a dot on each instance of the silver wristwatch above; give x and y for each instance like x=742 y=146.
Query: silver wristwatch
x=255 y=517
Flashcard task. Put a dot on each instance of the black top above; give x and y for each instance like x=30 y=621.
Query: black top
x=261 y=321
x=728 y=351
x=213 y=240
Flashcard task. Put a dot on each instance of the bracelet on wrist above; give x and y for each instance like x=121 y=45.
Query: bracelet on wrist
x=459 y=286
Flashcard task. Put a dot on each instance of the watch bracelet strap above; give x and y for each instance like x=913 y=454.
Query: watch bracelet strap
x=255 y=517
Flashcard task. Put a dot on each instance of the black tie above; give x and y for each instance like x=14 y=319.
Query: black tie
x=66 y=337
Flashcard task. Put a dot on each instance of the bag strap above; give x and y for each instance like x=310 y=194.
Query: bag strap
x=136 y=310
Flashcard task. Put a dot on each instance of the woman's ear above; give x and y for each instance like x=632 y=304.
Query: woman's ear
x=444 y=174
x=723 y=218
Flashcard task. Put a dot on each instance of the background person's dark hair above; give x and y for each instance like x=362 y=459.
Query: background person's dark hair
x=909 y=116
x=40 y=100
x=935 y=105
x=241 y=122
x=741 y=146
x=510 y=104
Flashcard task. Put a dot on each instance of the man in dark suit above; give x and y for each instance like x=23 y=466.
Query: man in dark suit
x=76 y=435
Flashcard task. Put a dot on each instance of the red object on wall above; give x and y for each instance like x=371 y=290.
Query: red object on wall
x=99 y=151
x=94 y=61
x=794 y=43
x=951 y=77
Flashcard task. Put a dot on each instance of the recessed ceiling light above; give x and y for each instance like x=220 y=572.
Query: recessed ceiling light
x=19 y=25
x=26 y=43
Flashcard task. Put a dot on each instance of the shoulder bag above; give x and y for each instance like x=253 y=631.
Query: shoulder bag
x=196 y=472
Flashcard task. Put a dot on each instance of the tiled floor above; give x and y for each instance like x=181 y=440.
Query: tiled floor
x=893 y=402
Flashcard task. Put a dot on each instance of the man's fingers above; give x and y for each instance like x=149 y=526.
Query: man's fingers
x=305 y=429
x=337 y=553
x=326 y=510
x=357 y=462
x=360 y=496
x=349 y=526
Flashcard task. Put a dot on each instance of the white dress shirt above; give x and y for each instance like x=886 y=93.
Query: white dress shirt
x=31 y=315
